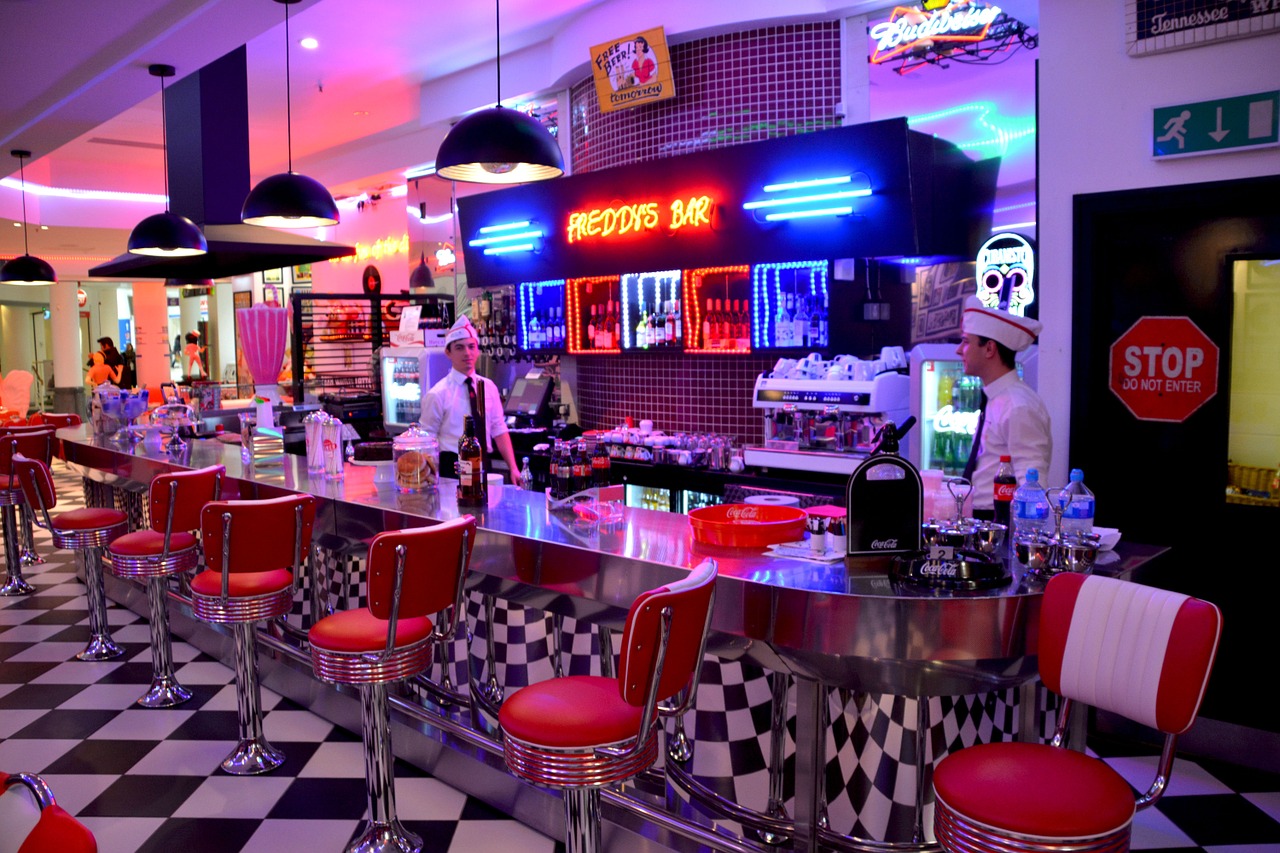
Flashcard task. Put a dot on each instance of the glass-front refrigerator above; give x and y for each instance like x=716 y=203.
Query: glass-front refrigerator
x=407 y=374
x=947 y=404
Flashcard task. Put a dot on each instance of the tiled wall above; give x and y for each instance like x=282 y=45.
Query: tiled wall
x=704 y=393
x=730 y=89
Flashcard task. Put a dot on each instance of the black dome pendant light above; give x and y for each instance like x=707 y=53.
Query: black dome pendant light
x=168 y=234
x=289 y=200
x=26 y=268
x=499 y=145
x=421 y=279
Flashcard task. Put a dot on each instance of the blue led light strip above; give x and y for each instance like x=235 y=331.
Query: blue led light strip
x=806 y=214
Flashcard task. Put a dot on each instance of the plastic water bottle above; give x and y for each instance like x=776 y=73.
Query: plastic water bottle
x=1078 y=505
x=526 y=476
x=1030 y=506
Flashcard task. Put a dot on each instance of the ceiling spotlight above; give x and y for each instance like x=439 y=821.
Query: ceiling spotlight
x=309 y=43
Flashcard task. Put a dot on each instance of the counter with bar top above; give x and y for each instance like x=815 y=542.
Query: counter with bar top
x=849 y=637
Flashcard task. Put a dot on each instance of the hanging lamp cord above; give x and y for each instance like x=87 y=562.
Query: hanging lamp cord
x=22 y=176
x=288 y=90
x=497 y=37
x=164 y=137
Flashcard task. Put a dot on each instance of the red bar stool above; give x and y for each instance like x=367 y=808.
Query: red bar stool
x=50 y=827
x=167 y=548
x=86 y=530
x=583 y=732
x=257 y=561
x=413 y=574
x=1133 y=650
x=21 y=537
x=27 y=544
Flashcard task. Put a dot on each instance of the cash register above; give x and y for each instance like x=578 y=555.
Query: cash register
x=529 y=403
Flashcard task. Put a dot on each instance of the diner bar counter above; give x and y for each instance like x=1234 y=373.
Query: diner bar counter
x=829 y=651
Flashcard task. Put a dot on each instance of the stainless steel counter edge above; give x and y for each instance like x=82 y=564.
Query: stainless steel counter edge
x=842 y=624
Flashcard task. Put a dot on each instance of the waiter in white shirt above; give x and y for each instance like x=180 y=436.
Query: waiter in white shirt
x=460 y=393
x=1014 y=421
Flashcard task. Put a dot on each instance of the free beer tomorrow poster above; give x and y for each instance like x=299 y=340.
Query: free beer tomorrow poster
x=632 y=70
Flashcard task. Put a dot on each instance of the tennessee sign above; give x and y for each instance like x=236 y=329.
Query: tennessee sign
x=1164 y=368
x=632 y=70
x=909 y=27
x=604 y=222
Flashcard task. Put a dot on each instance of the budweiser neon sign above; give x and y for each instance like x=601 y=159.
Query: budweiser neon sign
x=610 y=222
x=911 y=27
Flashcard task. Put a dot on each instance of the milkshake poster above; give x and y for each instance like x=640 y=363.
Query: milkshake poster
x=632 y=70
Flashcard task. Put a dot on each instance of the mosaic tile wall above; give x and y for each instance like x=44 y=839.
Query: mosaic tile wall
x=730 y=89
x=706 y=393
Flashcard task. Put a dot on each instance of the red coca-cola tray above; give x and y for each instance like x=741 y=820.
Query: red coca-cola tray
x=747 y=525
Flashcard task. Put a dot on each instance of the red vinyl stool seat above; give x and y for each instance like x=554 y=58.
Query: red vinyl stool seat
x=166 y=548
x=19 y=550
x=252 y=561
x=51 y=828
x=413 y=575
x=88 y=531
x=584 y=732
x=1129 y=649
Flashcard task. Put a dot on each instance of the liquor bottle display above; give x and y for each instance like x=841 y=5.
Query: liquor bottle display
x=471 y=473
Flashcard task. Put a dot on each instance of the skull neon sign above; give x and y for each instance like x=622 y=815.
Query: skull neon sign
x=1006 y=272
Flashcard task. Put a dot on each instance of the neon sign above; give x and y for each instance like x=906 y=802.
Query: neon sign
x=376 y=249
x=606 y=222
x=947 y=419
x=910 y=27
x=1006 y=272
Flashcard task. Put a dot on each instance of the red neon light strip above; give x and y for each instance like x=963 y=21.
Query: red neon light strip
x=575 y=343
x=693 y=288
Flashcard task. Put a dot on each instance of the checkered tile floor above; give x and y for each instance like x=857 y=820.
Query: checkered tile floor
x=148 y=780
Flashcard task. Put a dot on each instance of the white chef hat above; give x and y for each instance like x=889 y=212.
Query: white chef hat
x=460 y=331
x=1017 y=333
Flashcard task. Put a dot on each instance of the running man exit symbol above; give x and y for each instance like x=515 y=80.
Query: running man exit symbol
x=1211 y=127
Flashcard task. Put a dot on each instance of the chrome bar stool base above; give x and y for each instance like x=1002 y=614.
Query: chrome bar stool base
x=101 y=647
x=386 y=838
x=253 y=754
x=14 y=583
x=165 y=693
x=251 y=757
x=29 y=557
x=15 y=586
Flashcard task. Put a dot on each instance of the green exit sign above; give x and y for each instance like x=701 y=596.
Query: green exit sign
x=1209 y=127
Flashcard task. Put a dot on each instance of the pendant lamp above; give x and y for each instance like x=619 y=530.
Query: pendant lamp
x=499 y=145
x=289 y=200
x=421 y=278
x=168 y=234
x=26 y=268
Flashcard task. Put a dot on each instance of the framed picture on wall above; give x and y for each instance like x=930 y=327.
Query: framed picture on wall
x=273 y=276
x=302 y=274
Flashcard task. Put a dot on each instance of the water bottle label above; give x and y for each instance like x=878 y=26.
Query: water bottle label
x=1079 y=508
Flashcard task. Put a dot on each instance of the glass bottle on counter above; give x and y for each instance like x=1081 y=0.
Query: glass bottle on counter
x=581 y=466
x=526 y=475
x=601 y=467
x=471 y=476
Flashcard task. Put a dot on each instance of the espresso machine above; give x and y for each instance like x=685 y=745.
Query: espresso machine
x=824 y=416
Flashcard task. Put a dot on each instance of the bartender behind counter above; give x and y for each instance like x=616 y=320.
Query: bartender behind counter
x=1014 y=421
x=460 y=393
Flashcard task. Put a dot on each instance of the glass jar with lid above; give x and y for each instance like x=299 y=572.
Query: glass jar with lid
x=415 y=454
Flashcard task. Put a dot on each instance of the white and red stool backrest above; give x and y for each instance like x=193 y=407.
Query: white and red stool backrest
x=434 y=559
x=690 y=600
x=1134 y=650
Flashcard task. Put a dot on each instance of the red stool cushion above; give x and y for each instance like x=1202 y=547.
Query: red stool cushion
x=577 y=711
x=242 y=584
x=360 y=631
x=88 y=519
x=1034 y=789
x=147 y=543
x=58 y=830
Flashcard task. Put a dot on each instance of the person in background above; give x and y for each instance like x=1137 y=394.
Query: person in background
x=1014 y=421
x=110 y=354
x=195 y=356
x=129 y=372
x=451 y=399
x=100 y=372
x=175 y=354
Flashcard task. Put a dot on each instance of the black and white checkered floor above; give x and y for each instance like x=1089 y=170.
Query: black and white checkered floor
x=149 y=780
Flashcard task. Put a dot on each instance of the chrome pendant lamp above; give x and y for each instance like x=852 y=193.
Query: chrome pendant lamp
x=289 y=200
x=499 y=145
x=26 y=268
x=168 y=234
x=421 y=279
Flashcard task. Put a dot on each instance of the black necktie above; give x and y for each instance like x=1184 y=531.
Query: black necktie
x=977 y=437
x=477 y=412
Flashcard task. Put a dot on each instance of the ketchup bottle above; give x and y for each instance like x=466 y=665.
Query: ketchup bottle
x=1006 y=484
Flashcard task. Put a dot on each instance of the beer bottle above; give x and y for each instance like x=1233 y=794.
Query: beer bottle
x=471 y=478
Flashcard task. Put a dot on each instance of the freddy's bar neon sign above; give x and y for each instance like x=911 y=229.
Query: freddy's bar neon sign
x=602 y=223
x=909 y=27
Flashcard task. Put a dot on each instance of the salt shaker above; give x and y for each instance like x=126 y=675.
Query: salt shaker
x=313 y=425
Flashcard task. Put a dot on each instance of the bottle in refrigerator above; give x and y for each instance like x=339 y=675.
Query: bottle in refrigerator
x=1077 y=506
x=1030 y=507
x=1006 y=483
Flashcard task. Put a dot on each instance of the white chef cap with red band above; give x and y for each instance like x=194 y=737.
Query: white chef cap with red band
x=1017 y=333
x=460 y=331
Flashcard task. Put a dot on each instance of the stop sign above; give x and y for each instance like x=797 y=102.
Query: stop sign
x=1164 y=368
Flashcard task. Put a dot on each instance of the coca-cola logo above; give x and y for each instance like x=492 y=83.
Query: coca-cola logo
x=883 y=544
x=940 y=570
x=742 y=513
x=1004 y=491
